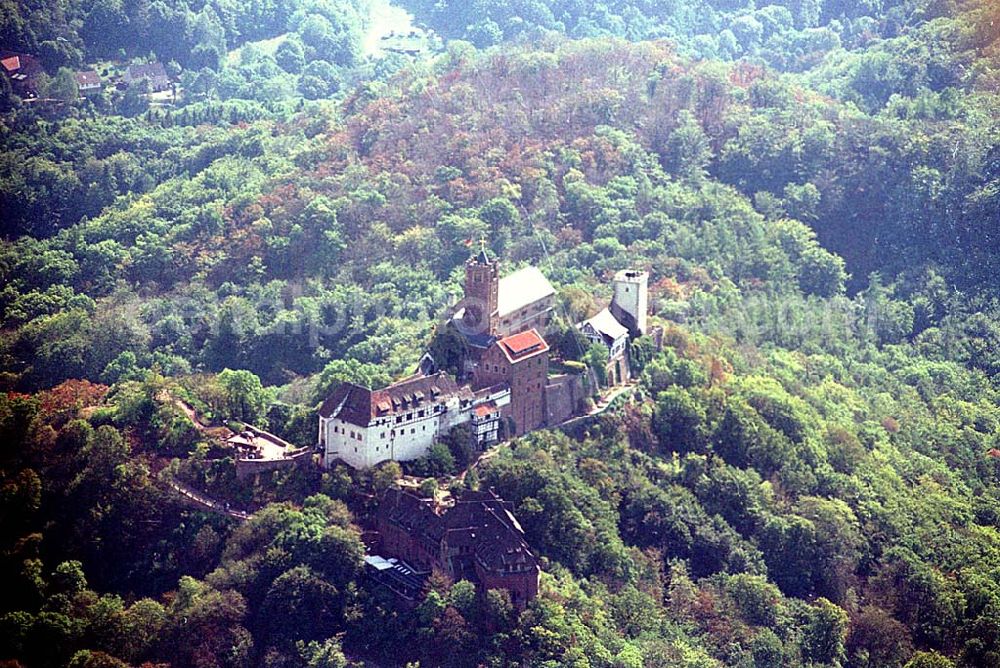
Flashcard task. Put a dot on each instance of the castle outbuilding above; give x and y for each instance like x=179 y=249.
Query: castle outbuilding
x=478 y=540
x=623 y=320
x=630 y=302
x=605 y=329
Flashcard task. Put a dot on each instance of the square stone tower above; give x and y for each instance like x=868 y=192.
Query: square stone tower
x=482 y=278
x=631 y=300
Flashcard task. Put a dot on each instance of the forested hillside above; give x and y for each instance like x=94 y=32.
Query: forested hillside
x=808 y=473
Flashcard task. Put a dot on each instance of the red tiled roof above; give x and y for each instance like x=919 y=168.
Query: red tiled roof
x=524 y=344
x=11 y=63
x=485 y=409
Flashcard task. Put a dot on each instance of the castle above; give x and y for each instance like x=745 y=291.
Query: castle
x=507 y=391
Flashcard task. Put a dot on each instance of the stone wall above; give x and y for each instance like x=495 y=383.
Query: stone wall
x=563 y=395
x=248 y=468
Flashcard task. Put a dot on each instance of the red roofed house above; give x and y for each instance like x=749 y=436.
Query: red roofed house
x=520 y=361
x=22 y=70
x=88 y=82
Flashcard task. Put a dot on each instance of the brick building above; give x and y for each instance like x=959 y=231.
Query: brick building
x=522 y=362
x=478 y=539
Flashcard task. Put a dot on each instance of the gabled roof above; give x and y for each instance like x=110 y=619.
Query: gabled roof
x=525 y=286
x=480 y=521
x=359 y=406
x=607 y=325
x=88 y=78
x=146 y=71
x=349 y=402
x=521 y=346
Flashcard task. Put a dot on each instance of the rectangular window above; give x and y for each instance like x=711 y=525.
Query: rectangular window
x=413 y=430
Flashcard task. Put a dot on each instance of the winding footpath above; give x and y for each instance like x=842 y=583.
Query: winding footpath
x=190 y=494
x=204 y=502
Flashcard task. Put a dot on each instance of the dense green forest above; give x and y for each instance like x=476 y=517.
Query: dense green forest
x=808 y=474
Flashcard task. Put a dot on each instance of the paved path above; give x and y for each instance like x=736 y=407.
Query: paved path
x=204 y=502
x=609 y=399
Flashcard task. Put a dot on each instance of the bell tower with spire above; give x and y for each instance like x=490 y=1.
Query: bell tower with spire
x=482 y=278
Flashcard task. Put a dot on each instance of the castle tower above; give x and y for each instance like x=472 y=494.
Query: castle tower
x=630 y=300
x=482 y=279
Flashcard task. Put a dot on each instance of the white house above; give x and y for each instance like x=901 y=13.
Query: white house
x=363 y=427
x=605 y=329
x=88 y=82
